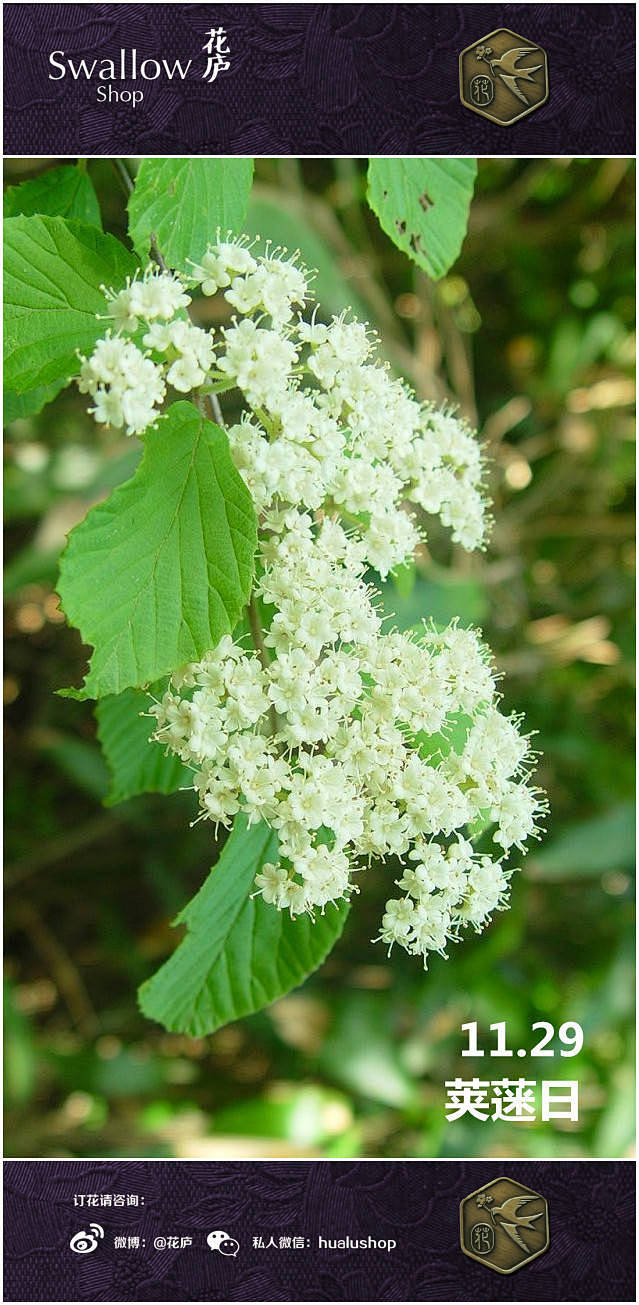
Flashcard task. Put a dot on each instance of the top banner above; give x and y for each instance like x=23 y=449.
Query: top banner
x=281 y=79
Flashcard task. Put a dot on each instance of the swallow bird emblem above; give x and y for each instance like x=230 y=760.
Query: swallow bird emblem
x=511 y=1220
x=503 y=76
x=504 y=1225
x=506 y=67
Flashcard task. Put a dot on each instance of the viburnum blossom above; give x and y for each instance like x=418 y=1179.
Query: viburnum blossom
x=354 y=741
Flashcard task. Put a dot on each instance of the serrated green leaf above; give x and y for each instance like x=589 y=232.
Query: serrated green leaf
x=53 y=270
x=182 y=202
x=17 y=406
x=422 y=204
x=61 y=192
x=155 y=575
x=239 y=953
x=135 y=764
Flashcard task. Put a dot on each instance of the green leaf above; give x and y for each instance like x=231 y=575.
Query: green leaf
x=182 y=202
x=53 y=271
x=33 y=565
x=435 y=595
x=404 y=578
x=361 y=1052
x=17 y=406
x=239 y=953
x=81 y=761
x=61 y=192
x=284 y=220
x=588 y=849
x=306 y=1114
x=452 y=738
x=20 y=1072
x=422 y=204
x=155 y=575
x=136 y=765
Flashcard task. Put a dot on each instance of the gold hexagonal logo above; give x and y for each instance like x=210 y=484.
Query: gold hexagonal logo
x=503 y=76
x=504 y=1225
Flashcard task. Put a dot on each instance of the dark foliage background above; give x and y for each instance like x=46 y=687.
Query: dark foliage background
x=531 y=334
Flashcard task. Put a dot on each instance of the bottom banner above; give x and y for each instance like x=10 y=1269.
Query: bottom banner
x=371 y=1230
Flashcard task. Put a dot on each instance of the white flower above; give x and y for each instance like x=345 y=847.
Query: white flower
x=107 y=365
x=273 y=287
x=120 y=308
x=157 y=294
x=487 y=885
x=351 y=740
x=337 y=348
x=517 y=813
x=397 y=922
x=219 y=264
x=463 y=661
x=126 y=386
x=258 y=360
x=108 y=408
x=272 y=882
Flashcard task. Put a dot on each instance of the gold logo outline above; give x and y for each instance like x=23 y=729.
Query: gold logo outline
x=482 y=113
x=503 y=1178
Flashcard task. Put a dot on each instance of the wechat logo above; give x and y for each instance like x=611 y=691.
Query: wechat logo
x=220 y=1241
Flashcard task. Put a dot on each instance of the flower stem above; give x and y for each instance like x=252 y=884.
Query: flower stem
x=257 y=636
x=219 y=387
x=214 y=404
x=124 y=174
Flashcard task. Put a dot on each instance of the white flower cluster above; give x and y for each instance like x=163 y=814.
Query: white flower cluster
x=340 y=738
x=354 y=742
x=128 y=383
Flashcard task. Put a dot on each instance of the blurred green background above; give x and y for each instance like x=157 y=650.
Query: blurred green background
x=531 y=334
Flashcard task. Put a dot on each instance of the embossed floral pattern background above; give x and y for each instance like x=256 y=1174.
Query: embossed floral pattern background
x=315 y=79
x=590 y=1257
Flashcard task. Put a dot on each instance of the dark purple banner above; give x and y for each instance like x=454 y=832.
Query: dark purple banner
x=305 y=1230
x=319 y=79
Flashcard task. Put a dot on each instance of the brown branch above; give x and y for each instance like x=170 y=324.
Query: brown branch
x=58 y=849
x=67 y=978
